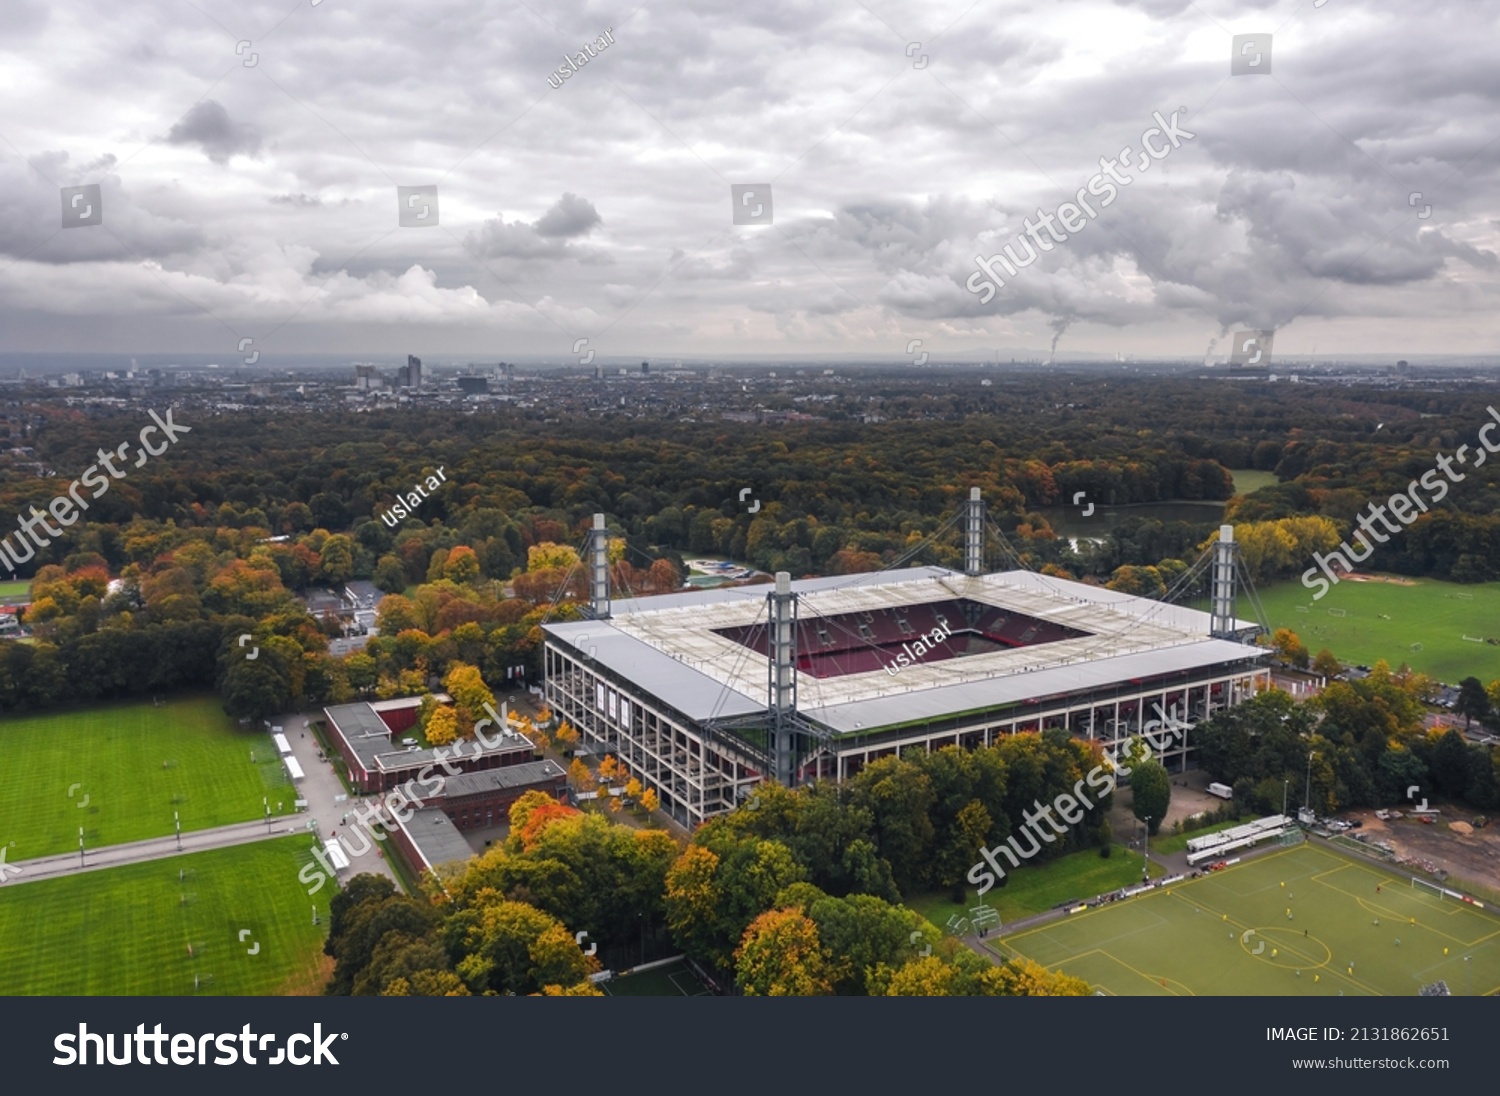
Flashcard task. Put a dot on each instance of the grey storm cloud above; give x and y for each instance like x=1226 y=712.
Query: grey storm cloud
x=29 y=208
x=571 y=216
x=208 y=126
x=274 y=195
x=545 y=238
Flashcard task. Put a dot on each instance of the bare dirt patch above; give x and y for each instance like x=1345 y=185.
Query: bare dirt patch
x=1470 y=858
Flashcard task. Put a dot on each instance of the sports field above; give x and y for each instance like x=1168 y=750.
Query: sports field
x=1422 y=625
x=1228 y=934
x=119 y=771
x=128 y=930
x=674 y=980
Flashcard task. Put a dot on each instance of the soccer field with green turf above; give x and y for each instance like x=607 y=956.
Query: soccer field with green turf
x=1228 y=934
x=128 y=930
x=119 y=771
x=1425 y=629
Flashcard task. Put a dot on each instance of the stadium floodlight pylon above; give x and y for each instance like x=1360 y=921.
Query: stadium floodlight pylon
x=599 y=569
x=781 y=670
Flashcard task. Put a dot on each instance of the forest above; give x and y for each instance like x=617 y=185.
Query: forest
x=220 y=537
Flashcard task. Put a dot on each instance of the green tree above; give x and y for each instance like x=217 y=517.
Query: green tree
x=1473 y=702
x=390 y=575
x=1151 y=793
x=336 y=560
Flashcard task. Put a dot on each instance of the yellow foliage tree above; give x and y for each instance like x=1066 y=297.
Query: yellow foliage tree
x=650 y=800
x=781 y=956
x=442 y=726
x=550 y=556
x=580 y=777
x=609 y=770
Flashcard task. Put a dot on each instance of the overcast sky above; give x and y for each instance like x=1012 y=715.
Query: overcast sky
x=248 y=155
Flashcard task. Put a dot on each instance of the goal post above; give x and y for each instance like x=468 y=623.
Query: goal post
x=1424 y=885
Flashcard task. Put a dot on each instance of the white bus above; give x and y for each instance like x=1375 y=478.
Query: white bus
x=1223 y=791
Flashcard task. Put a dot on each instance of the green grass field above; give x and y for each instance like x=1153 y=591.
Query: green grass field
x=1425 y=629
x=1036 y=889
x=15 y=589
x=1227 y=933
x=674 y=980
x=1250 y=479
x=126 y=931
x=119 y=771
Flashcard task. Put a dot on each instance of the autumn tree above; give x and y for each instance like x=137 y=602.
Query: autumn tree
x=781 y=956
x=442 y=726
x=580 y=776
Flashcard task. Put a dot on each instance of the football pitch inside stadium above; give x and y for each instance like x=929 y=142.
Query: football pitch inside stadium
x=1303 y=922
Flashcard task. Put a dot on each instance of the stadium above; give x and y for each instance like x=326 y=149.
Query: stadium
x=704 y=694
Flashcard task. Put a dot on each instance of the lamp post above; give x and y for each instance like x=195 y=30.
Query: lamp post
x=1307 y=795
x=1146 y=852
x=1285 y=783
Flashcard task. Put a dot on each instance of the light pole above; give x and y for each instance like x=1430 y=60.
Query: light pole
x=1307 y=795
x=1285 y=783
x=1146 y=852
x=80 y=846
x=178 y=823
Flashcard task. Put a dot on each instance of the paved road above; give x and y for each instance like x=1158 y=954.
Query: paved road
x=328 y=802
x=156 y=848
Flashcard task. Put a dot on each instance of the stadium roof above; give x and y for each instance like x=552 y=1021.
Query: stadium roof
x=670 y=647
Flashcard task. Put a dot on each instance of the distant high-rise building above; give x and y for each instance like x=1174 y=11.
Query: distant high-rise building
x=645 y=369
x=473 y=386
x=413 y=371
x=363 y=376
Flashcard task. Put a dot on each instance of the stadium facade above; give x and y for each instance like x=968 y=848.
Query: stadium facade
x=705 y=694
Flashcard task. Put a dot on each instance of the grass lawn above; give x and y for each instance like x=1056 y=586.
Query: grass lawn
x=15 y=589
x=1036 y=889
x=126 y=931
x=119 y=771
x=1250 y=479
x=674 y=980
x=1425 y=629
x=1227 y=934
